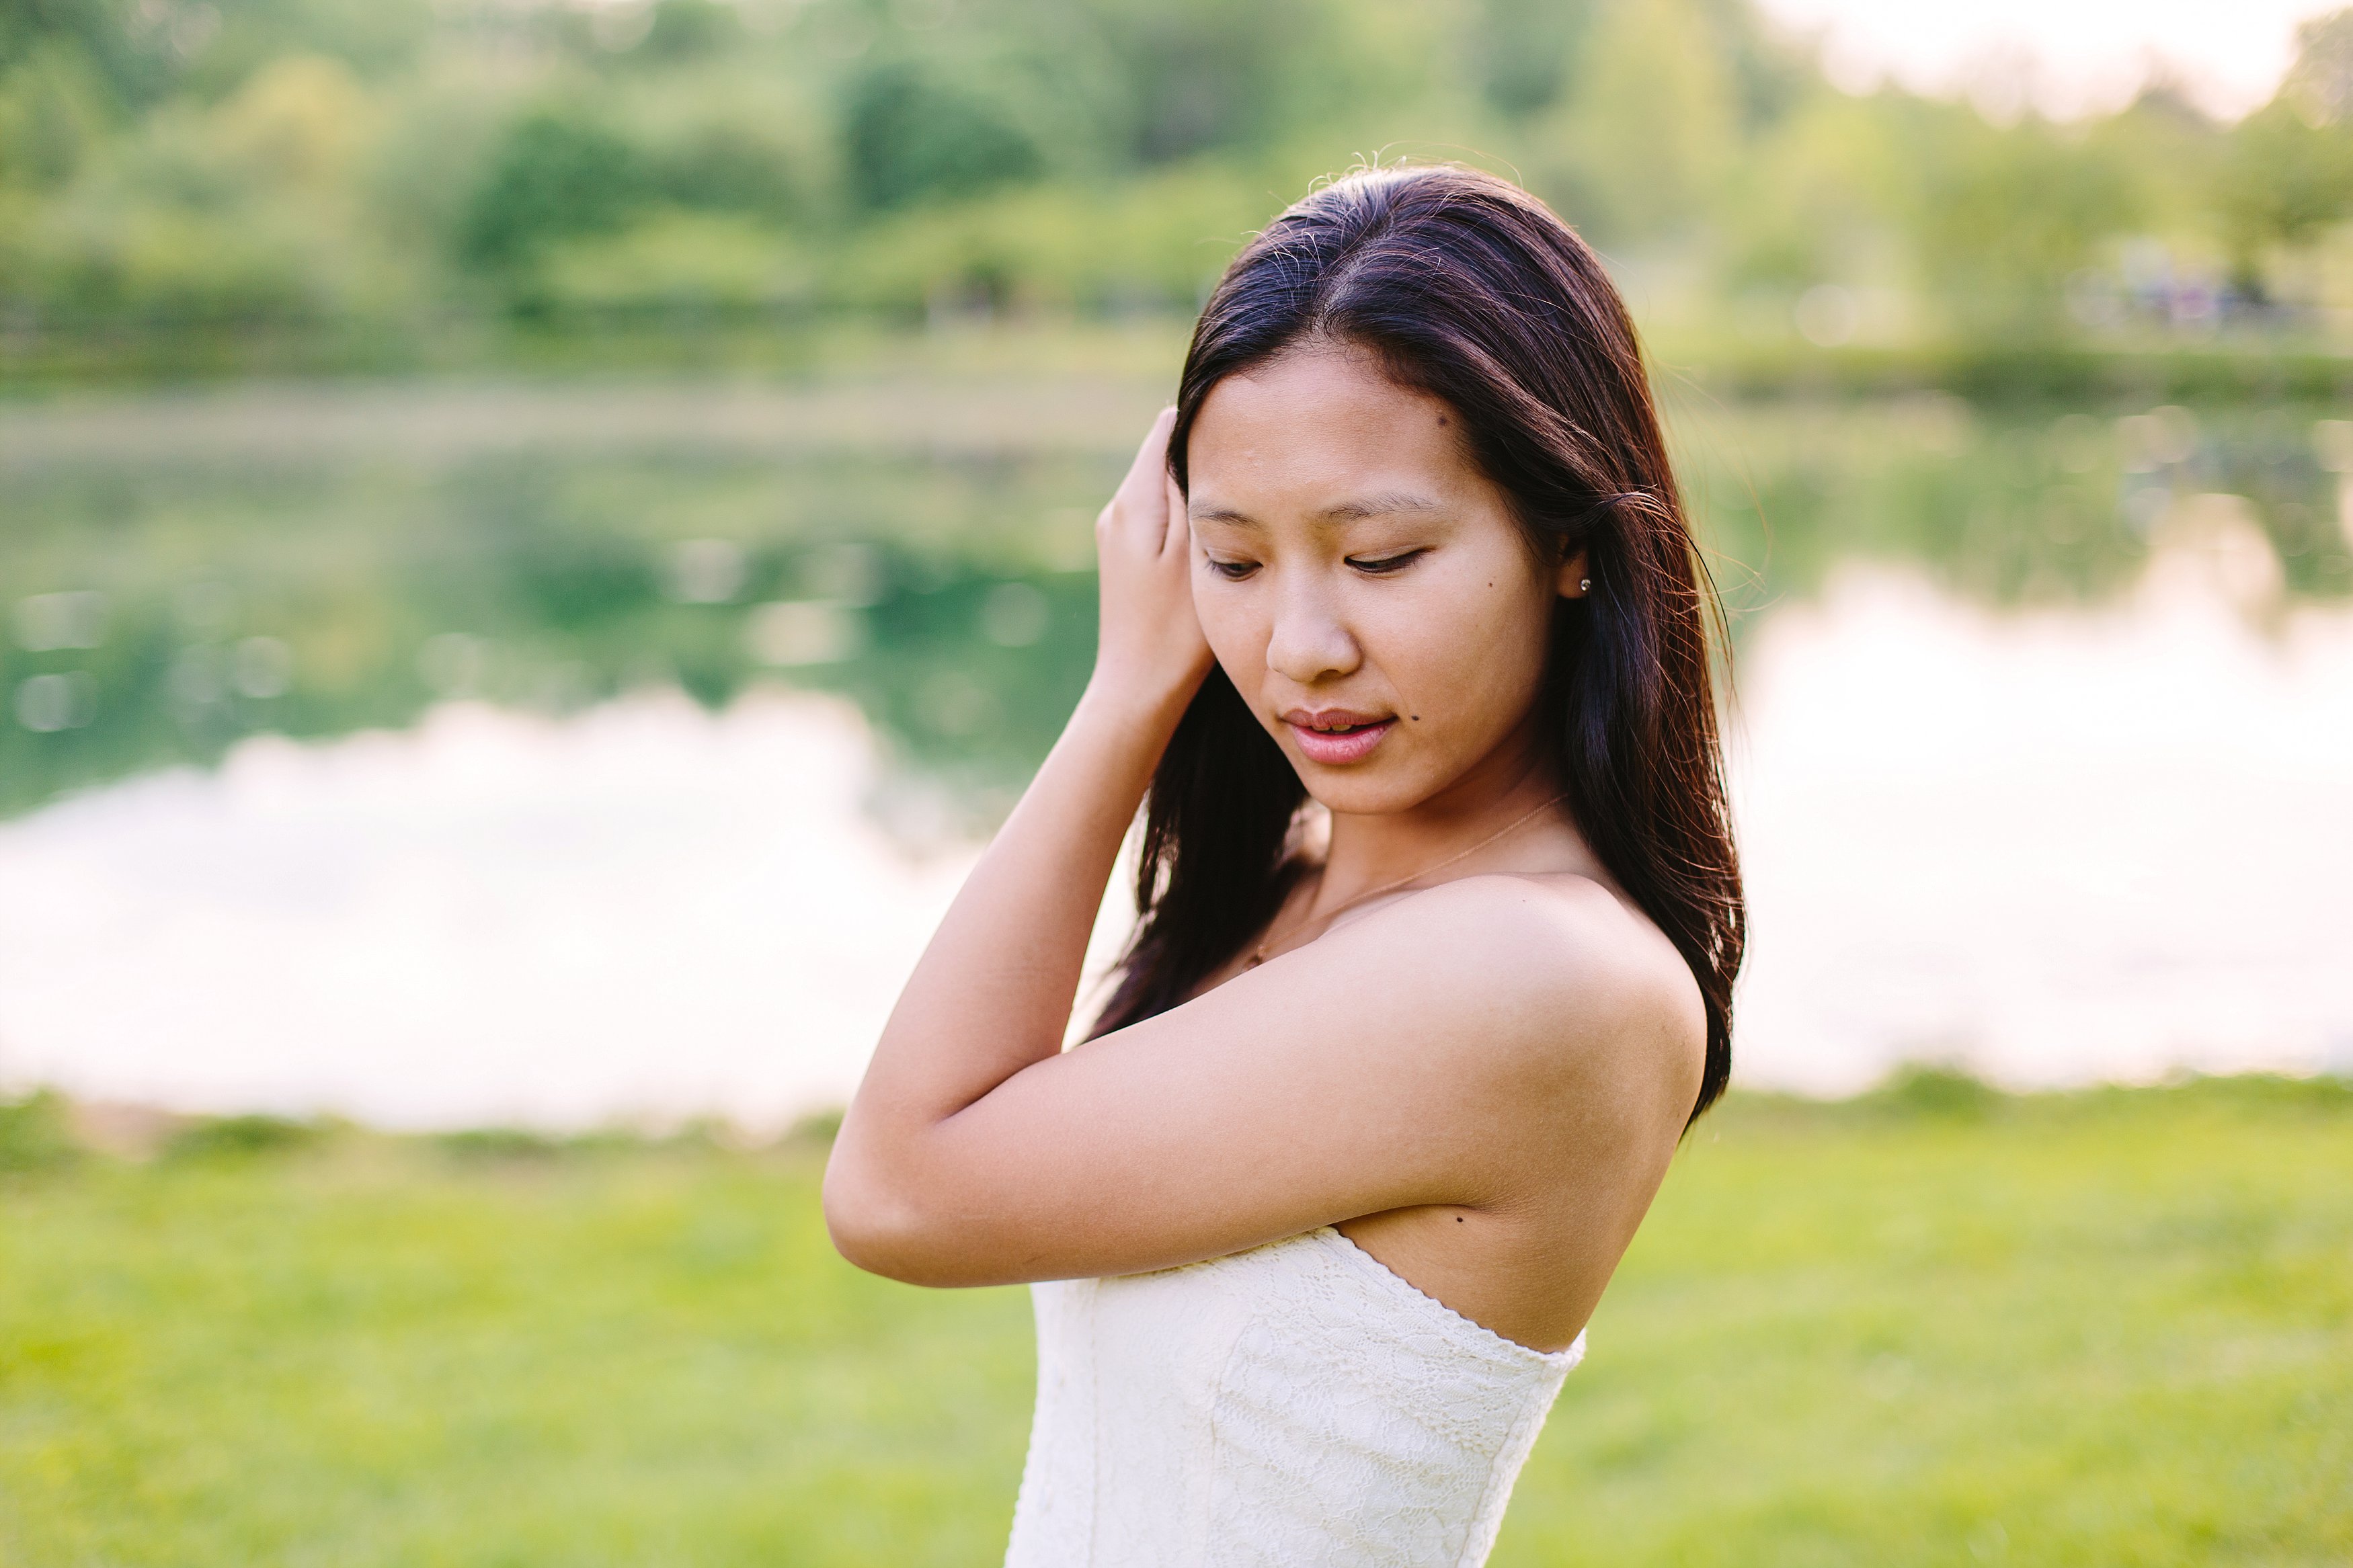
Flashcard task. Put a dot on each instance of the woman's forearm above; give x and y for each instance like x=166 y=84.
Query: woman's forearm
x=993 y=992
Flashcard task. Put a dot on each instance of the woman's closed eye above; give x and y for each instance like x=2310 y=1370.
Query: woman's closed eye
x=1371 y=566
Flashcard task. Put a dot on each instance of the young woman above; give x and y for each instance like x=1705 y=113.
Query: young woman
x=1388 y=1081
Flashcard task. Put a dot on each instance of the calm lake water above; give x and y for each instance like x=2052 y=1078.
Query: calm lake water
x=457 y=754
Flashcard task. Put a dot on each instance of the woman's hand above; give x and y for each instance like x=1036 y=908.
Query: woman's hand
x=1150 y=646
x=992 y=995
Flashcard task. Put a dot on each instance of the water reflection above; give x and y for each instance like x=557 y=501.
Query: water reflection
x=643 y=910
x=180 y=573
x=2006 y=505
x=2054 y=845
x=643 y=737
x=312 y=600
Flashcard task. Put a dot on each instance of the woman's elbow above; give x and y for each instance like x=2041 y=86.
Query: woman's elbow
x=884 y=1230
x=866 y=1225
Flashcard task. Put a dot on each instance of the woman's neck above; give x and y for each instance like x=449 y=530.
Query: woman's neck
x=1504 y=799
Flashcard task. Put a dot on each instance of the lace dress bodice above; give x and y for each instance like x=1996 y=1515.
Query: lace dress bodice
x=1296 y=1405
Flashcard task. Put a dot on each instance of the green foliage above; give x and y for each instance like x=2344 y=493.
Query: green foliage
x=525 y=1145
x=683 y=30
x=307 y=164
x=34 y=1134
x=818 y=1129
x=909 y=136
x=134 y=55
x=674 y=263
x=1525 y=51
x=1646 y=134
x=54 y=115
x=1922 y=1089
x=2001 y=217
x=2110 y=1329
x=644 y=201
x=242 y=1137
x=2286 y=181
x=556 y=174
x=1157 y=241
x=499 y=1143
x=1219 y=74
x=221 y=47
x=713 y=164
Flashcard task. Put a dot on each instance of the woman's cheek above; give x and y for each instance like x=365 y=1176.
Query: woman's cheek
x=1481 y=662
x=1240 y=649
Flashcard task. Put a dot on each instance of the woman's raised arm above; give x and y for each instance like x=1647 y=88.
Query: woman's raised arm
x=994 y=990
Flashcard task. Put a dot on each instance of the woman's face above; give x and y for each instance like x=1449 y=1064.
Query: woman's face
x=1362 y=582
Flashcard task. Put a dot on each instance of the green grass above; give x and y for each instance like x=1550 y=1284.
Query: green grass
x=1932 y=1327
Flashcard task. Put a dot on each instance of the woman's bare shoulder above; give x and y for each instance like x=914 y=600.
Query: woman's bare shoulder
x=1558 y=979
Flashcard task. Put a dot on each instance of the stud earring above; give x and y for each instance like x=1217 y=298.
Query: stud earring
x=1585 y=584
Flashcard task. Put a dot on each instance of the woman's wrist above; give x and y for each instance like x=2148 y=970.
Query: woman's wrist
x=1149 y=705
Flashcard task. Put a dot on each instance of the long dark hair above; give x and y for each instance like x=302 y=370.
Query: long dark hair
x=1468 y=288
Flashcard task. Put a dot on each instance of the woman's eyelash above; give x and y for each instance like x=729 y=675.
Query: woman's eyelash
x=1235 y=571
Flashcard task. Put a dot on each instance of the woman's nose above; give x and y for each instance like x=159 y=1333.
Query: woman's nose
x=1310 y=642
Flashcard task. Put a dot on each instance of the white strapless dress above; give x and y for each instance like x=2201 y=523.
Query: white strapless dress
x=1293 y=1405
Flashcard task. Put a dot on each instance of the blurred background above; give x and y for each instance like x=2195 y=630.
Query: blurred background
x=538 y=538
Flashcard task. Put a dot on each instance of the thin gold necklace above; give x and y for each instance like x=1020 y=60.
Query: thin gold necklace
x=1260 y=953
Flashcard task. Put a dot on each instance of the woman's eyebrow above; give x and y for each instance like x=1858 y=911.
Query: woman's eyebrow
x=1198 y=512
x=1385 y=503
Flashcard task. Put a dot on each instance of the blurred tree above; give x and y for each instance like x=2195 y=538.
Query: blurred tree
x=722 y=165
x=169 y=160
x=1524 y=52
x=729 y=136
x=54 y=113
x=298 y=122
x=1771 y=74
x=374 y=39
x=557 y=173
x=2319 y=84
x=2287 y=175
x=677 y=264
x=909 y=135
x=1209 y=75
x=1650 y=125
x=1813 y=201
x=136 y=51
x=690 y=30
x=2001 y=217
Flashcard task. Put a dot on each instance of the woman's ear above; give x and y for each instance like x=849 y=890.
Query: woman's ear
x=1575 y=579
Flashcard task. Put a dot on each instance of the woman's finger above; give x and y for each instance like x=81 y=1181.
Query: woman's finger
x=1151 y=460
x=1178 y=540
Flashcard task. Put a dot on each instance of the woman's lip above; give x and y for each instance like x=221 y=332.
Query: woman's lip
x=1333 y=747
x=1331 y=718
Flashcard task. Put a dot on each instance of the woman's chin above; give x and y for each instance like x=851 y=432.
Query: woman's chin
x=1362 y=789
